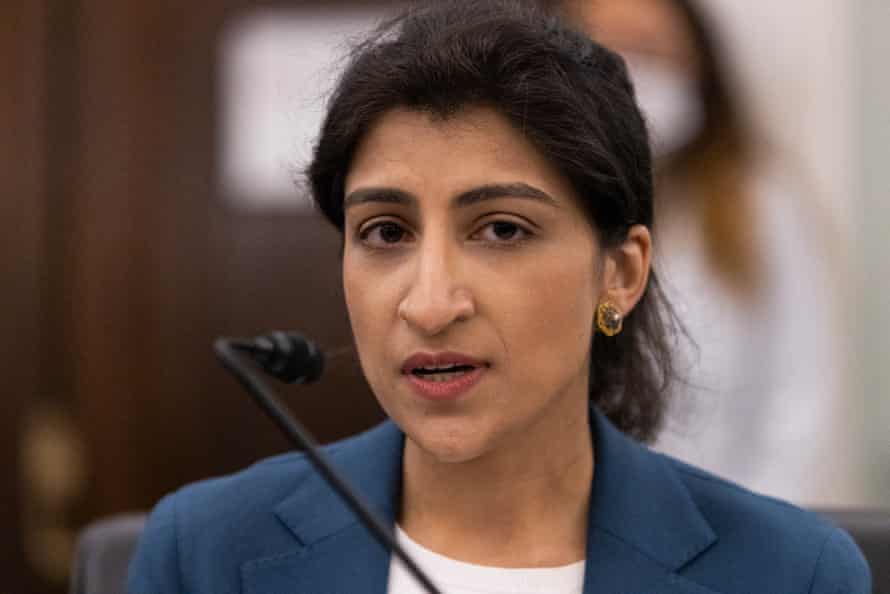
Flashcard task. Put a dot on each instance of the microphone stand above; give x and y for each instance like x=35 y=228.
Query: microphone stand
x=226 y=350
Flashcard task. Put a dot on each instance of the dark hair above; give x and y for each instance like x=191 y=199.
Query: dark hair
x=572 y=98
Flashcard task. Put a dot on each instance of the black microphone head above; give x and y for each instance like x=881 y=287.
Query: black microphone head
x=289 y=356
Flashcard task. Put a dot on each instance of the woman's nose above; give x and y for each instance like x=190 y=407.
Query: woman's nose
x=436 y=298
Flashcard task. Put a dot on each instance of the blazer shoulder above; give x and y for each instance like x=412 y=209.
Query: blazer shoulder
x=761 y=532
x=264 y=483
x=197 y=537
x=841 y=567
x=217 y=518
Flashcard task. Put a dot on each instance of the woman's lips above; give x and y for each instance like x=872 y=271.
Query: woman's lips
x=448 y=389
x=420 y=369
x=442 y=359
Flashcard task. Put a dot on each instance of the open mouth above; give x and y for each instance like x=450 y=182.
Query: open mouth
x=441 y=374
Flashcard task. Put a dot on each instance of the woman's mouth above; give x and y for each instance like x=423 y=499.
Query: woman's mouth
x=441 y=376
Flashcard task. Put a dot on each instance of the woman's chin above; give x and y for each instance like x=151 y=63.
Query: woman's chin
x=447 y=441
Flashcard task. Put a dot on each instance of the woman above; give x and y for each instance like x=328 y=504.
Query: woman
x=745 y=260
x=491 y=175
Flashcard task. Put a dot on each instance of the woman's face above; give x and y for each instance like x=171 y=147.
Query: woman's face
x=464 y=247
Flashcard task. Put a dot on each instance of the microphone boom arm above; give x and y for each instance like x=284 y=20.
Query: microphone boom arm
x=226 y=350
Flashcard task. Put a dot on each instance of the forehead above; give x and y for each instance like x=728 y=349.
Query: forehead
x=429 y=155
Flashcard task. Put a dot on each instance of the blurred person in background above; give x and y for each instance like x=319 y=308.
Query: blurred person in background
x=747 y=263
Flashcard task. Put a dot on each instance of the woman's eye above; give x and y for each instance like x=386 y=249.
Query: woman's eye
x=503 y=232
x=383 y=234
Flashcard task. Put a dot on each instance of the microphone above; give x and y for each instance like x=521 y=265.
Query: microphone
x=292 y=358
x=288 y=356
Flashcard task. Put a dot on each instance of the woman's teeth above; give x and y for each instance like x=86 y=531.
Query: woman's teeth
x=442 y=375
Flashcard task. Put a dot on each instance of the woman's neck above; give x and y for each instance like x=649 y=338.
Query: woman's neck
x=524 y=504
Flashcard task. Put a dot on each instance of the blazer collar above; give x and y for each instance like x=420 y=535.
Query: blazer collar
x=643 y=523
x=336 y=554
x=371 y=463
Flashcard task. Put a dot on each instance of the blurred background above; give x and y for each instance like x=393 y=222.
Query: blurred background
x=147 y=205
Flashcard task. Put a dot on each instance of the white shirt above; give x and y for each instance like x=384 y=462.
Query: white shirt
x=457 y=577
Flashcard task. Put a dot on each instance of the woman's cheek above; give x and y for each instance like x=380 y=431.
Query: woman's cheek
x=357 y=295
x=370 y=301
x=555 y=322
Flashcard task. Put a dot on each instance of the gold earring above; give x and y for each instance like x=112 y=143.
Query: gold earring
x=608 y=318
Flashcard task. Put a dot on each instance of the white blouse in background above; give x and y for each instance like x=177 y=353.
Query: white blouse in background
x=768 y=406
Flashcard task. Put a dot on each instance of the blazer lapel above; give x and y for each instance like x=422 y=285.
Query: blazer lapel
x=614 y=566
x=347 y=562
x=334 y=553
x=644 y=525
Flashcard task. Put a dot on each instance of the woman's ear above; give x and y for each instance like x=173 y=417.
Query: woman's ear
x=626 y=270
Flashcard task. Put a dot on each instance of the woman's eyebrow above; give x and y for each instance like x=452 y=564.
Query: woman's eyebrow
x=473 y=196
x=385 y=195
x=508 y=190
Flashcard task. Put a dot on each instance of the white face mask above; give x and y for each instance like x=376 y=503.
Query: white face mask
x=670 y=102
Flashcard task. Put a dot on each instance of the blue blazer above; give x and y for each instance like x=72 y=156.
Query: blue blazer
x=656 y=526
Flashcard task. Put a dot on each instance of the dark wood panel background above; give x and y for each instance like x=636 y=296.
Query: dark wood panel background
x=22 y=259
x=127 y=262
